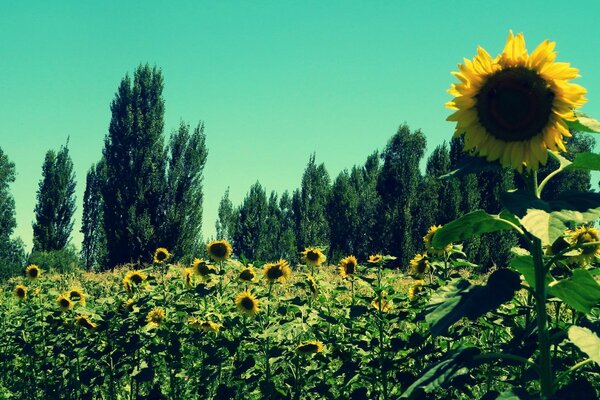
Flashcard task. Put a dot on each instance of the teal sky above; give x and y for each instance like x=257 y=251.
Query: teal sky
x=273 y=81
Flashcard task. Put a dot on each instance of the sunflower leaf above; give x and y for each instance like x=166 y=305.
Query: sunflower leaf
x=580 y=291
x=584 y=123
x=587 y=341
x=467 y=226
x=524 y=265
x=586 y=161
x=461 y=299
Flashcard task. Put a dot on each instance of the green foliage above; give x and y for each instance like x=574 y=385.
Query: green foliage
x=580 y=291
x=93 y=246
x=587 y=341
x=135 y=168
x=251 y=231
x=12 y=253
x=55 y=202
x=227 y=219
x=343 y=217
x=63 y=261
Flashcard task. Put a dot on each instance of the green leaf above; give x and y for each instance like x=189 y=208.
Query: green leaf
x=467 y=226
x=515 y=393
x=580 y=291
x=584 y=123
x=471 y=165
x=587 y=341
x=587 y=161
x=441 y=373
x=547 y=220
x=524 y=264
x=461 y=299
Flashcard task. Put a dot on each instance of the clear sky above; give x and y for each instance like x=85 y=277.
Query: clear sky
x=273 y=81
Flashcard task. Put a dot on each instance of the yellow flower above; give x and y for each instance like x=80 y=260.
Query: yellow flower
x=204 y=326
x=33 y=271
x=419 y=265
x=279 y=271
x=64 y=302
x=312 y=284
x=583 y=235
x=156 y=316
x=310 y=347
x=77 y=296
x=188 y=277
x=513 y=108
x=428 y=238
x=375 y=259
x=347 y=266
x=133 y=279
x=313 y=256
x=202 y=267
x=21 y=292
x=246 y=303
x=161 y=255
x=247 y=274
x=219 y=250
x=385 y=306
x=85 y=322
x=415 y=288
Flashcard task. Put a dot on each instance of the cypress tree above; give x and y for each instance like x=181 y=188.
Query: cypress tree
x=55 y=202
x=135 y=168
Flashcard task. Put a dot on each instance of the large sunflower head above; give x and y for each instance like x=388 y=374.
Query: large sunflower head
x=77 y=296
x=428 y=238
x=64 y=302
x=419 y=265
x=188 y=277
x=347 y=266
x=279 y=271
x=33 y=271
x=310 y=347
x=415 y=288
x=246 y=303
x=313 y=256
x=85 y=322
x=513 y=108
x=161 y=255
x=21 y=292
x=583 y=235
x=134 y=279
x=219 y=250
x=156 y=316
x=202 y=267
x=247 y=274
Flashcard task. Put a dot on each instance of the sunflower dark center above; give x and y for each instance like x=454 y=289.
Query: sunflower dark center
x=33 y=272
x=161 y=256
x=218 y=250
x=246 y=275
x=247 y=303
x=20 y=292
x=137 y=279
x=275 y=272
x=312 y=255
x=514 y=104
x=64 y=303
x=350 y=268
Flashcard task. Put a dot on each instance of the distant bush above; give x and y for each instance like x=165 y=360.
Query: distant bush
x=60 y=261
x=12 y=258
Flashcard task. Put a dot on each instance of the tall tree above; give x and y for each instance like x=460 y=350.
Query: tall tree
x=313 y=227
x=287 y=239
x=12 y=254
x=398 y=185
x=250 y=234
x=55 y=202
x=364 y=179
x=135 y=168
x=227 y=217
x=93 y=246
x=182 y=223
x=342 y=212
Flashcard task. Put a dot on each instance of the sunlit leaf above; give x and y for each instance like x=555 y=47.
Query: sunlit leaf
x=587 y=341
x=584 y=123
x=467 y=226
x=586 y=161
x=580 y=291
x=524 y=264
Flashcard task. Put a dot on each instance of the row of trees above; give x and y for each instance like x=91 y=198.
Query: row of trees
x=385 y=205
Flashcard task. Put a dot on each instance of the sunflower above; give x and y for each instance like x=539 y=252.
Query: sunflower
x=33 y=271
x=415 y=288
x=583 y=235
x=188 y=277
x=219 y=250
x=246 y=303
x=513 y=108
x=156 y=316
x=278 y=271
x=247 y=274
x=428 y=238
x=310 y=347
x=209 y=326
x=386 y=305
x=347 y=266
x=313 y=256
x=375 y=259
x=85 y=322
x=21 y=292
x=202 y=267
x=64 y=302
x=312 y=284
x=77 y=296
x=161 y=255
x=133 y=278
x=419 y=265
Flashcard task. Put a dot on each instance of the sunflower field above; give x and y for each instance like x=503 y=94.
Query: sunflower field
x=223 y=327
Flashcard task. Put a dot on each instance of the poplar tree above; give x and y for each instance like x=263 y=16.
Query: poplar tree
x=55 y=202
x=227 y=217
x=12 y=254
x=135 y=168
x=93 y=245
x=364 y=179
x=250 y=233
x=342 y=212
x=287 y=239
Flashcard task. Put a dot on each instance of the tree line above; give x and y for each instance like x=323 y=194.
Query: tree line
x=145 y=192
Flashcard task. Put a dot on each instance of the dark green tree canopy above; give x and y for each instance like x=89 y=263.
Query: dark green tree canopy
x=93 y=246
